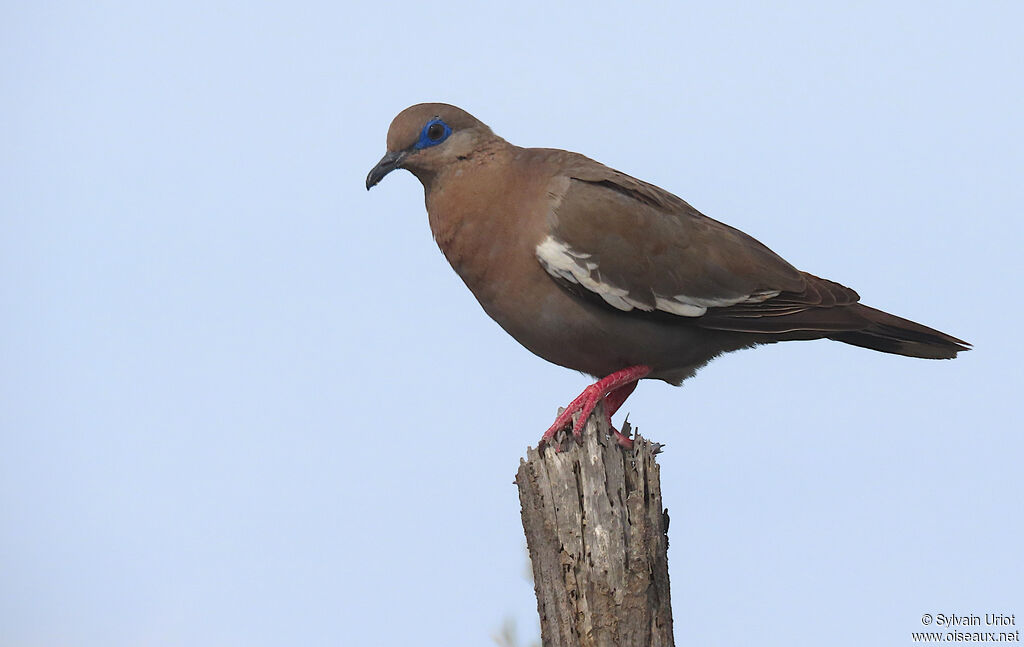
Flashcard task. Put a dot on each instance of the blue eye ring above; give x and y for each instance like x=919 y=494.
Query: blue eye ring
x=433 y=133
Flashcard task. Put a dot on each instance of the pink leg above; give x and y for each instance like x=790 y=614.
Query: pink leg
x=612 y=402
x=616 y=398
x=613 y=389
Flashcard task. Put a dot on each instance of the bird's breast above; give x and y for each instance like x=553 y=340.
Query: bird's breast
x=496 y=262
x=488 y=222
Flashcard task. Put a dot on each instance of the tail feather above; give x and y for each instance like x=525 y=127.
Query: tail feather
x=891 y=334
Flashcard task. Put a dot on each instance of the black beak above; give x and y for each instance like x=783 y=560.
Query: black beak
x=388 y=163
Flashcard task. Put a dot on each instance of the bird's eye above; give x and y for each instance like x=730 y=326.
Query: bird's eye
x=435 y=132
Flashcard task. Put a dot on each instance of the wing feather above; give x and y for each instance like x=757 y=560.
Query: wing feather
x=639 y=247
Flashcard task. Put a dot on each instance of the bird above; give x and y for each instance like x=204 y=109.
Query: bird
x=597 y=271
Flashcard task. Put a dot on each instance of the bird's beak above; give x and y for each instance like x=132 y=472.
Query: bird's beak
x=388 y=163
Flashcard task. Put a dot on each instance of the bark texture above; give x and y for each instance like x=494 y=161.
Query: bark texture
x=596 y=531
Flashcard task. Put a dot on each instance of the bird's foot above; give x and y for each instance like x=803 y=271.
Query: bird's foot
x=613 y=390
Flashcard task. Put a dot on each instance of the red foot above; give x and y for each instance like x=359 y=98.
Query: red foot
x=613 y=389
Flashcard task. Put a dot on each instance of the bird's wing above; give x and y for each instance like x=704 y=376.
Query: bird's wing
x=638 y=247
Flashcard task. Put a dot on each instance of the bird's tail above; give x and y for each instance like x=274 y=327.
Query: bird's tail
x=891 y=334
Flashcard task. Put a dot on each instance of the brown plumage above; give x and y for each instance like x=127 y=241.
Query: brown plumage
x=597 y=271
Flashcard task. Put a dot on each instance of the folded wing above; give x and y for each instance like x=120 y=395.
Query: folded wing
x=638 y=248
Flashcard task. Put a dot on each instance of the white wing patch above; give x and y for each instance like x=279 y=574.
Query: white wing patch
x=562 y=261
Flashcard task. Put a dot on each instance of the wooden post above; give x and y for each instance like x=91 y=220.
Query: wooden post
x=596 y=531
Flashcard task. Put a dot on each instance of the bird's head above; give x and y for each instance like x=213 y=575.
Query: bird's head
x=427 y=137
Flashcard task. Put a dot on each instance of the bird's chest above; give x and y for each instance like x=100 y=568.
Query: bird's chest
x=490 y=257
x=490 y=244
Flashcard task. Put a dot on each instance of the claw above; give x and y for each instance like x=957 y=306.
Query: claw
x=624 y=441
x=622 y=437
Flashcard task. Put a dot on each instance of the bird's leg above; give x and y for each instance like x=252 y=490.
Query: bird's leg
x=617 y=397
x=612 y=402
x=613 y=389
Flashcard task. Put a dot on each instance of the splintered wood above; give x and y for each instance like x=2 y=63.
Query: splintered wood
x=596 y=531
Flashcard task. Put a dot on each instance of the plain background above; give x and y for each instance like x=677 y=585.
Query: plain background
x=245 y=402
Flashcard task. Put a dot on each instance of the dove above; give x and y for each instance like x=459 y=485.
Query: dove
x=597 y=271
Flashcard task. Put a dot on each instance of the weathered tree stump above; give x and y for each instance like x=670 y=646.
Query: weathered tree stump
x=596 y=532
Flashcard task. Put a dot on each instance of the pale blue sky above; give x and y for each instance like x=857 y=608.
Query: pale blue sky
x=245 y=402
